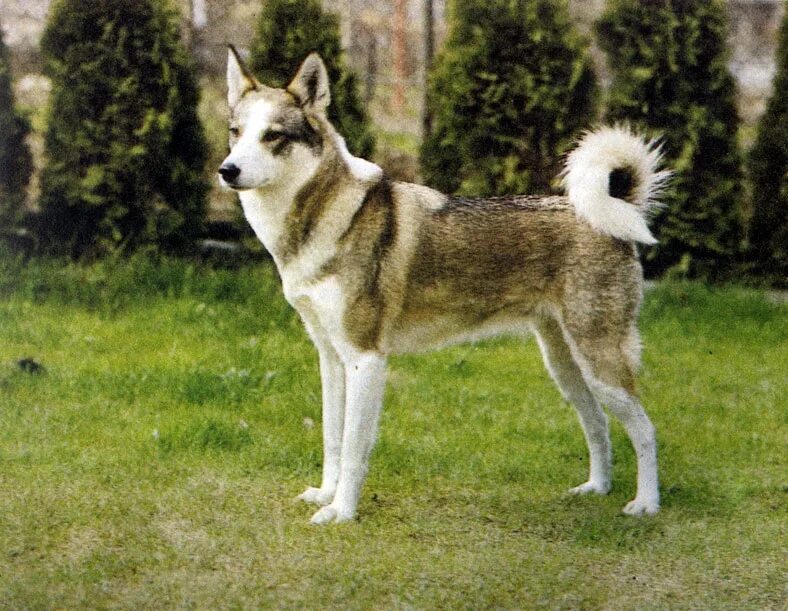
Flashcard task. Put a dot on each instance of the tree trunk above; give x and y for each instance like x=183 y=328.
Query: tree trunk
x=429 y=51
x=399 y=44
x=372 y=69
x=198 y=20
x=199 y=14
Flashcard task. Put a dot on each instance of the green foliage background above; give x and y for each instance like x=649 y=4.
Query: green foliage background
x=511 y=88
x=670 y=77
x=125 y=149
x=16 y=163
x=287 y=31
x=768 y=164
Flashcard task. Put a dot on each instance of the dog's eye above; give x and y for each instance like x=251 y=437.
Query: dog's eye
x=235 y=132
x=273 y=135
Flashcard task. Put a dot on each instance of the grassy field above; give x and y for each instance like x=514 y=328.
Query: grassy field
x=153 y=464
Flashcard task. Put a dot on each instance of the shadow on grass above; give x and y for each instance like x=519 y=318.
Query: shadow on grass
x=593 y=521
x=204 y=435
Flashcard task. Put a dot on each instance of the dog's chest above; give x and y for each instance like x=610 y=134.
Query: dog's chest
x=265 y=219
x=319 y=303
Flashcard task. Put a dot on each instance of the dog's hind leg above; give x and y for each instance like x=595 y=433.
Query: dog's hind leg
x=607 y=360
x=365 y=382
x=569 y=379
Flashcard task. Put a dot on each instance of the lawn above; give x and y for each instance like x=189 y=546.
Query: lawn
x=154 y=462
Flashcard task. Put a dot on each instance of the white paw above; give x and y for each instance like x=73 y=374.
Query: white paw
x=640 y=508
x=317 y=496
x=330 y=513
x=591 y=487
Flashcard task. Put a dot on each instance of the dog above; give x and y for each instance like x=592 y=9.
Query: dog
x=375 y=267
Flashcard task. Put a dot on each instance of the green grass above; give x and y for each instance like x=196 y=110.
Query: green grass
x=155 y=462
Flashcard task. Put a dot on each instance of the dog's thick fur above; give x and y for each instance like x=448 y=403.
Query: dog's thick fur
x=376 y=267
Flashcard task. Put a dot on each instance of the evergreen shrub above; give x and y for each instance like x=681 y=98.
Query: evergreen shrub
x=288 y=31
x=509 y=92
x=768 y=165
x=16 y=163
x=125 y=149
x=670 y=78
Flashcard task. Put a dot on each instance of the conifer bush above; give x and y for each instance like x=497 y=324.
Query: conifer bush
x=768 y=164
x=287 y=31
x=16 y=163
x=670 y=78
x=510 y=90
x=125 y=149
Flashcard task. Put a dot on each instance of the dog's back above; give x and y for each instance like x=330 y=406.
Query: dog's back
x=491 y=264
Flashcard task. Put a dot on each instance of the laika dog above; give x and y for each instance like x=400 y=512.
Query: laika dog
x=376 y=267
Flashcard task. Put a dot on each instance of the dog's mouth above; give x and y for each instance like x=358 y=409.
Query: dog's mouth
x=230 y=185
x=238 y=186
x=232 y=177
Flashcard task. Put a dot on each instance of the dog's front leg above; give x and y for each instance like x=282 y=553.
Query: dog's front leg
x=365 y=381
x=332 y=377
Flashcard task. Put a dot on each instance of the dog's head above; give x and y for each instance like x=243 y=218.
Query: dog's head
x=275 y=135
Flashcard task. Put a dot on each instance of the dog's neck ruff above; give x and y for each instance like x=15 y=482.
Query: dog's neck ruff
x=362 y=170
x=299 y=220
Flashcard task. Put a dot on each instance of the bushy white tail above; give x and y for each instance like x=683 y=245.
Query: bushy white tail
x=612 y=180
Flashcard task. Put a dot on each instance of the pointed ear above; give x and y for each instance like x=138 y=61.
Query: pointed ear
x=239 y=79
x=310 y=85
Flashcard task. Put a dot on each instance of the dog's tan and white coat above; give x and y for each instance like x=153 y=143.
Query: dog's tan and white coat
x=376 y=267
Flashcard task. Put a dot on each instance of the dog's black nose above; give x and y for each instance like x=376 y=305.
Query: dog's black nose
x=229 y=171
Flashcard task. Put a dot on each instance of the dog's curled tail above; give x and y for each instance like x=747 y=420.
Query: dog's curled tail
x=612 y=179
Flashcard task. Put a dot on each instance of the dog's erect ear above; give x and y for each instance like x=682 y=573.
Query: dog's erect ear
x=239 y=79
x=310 y=85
